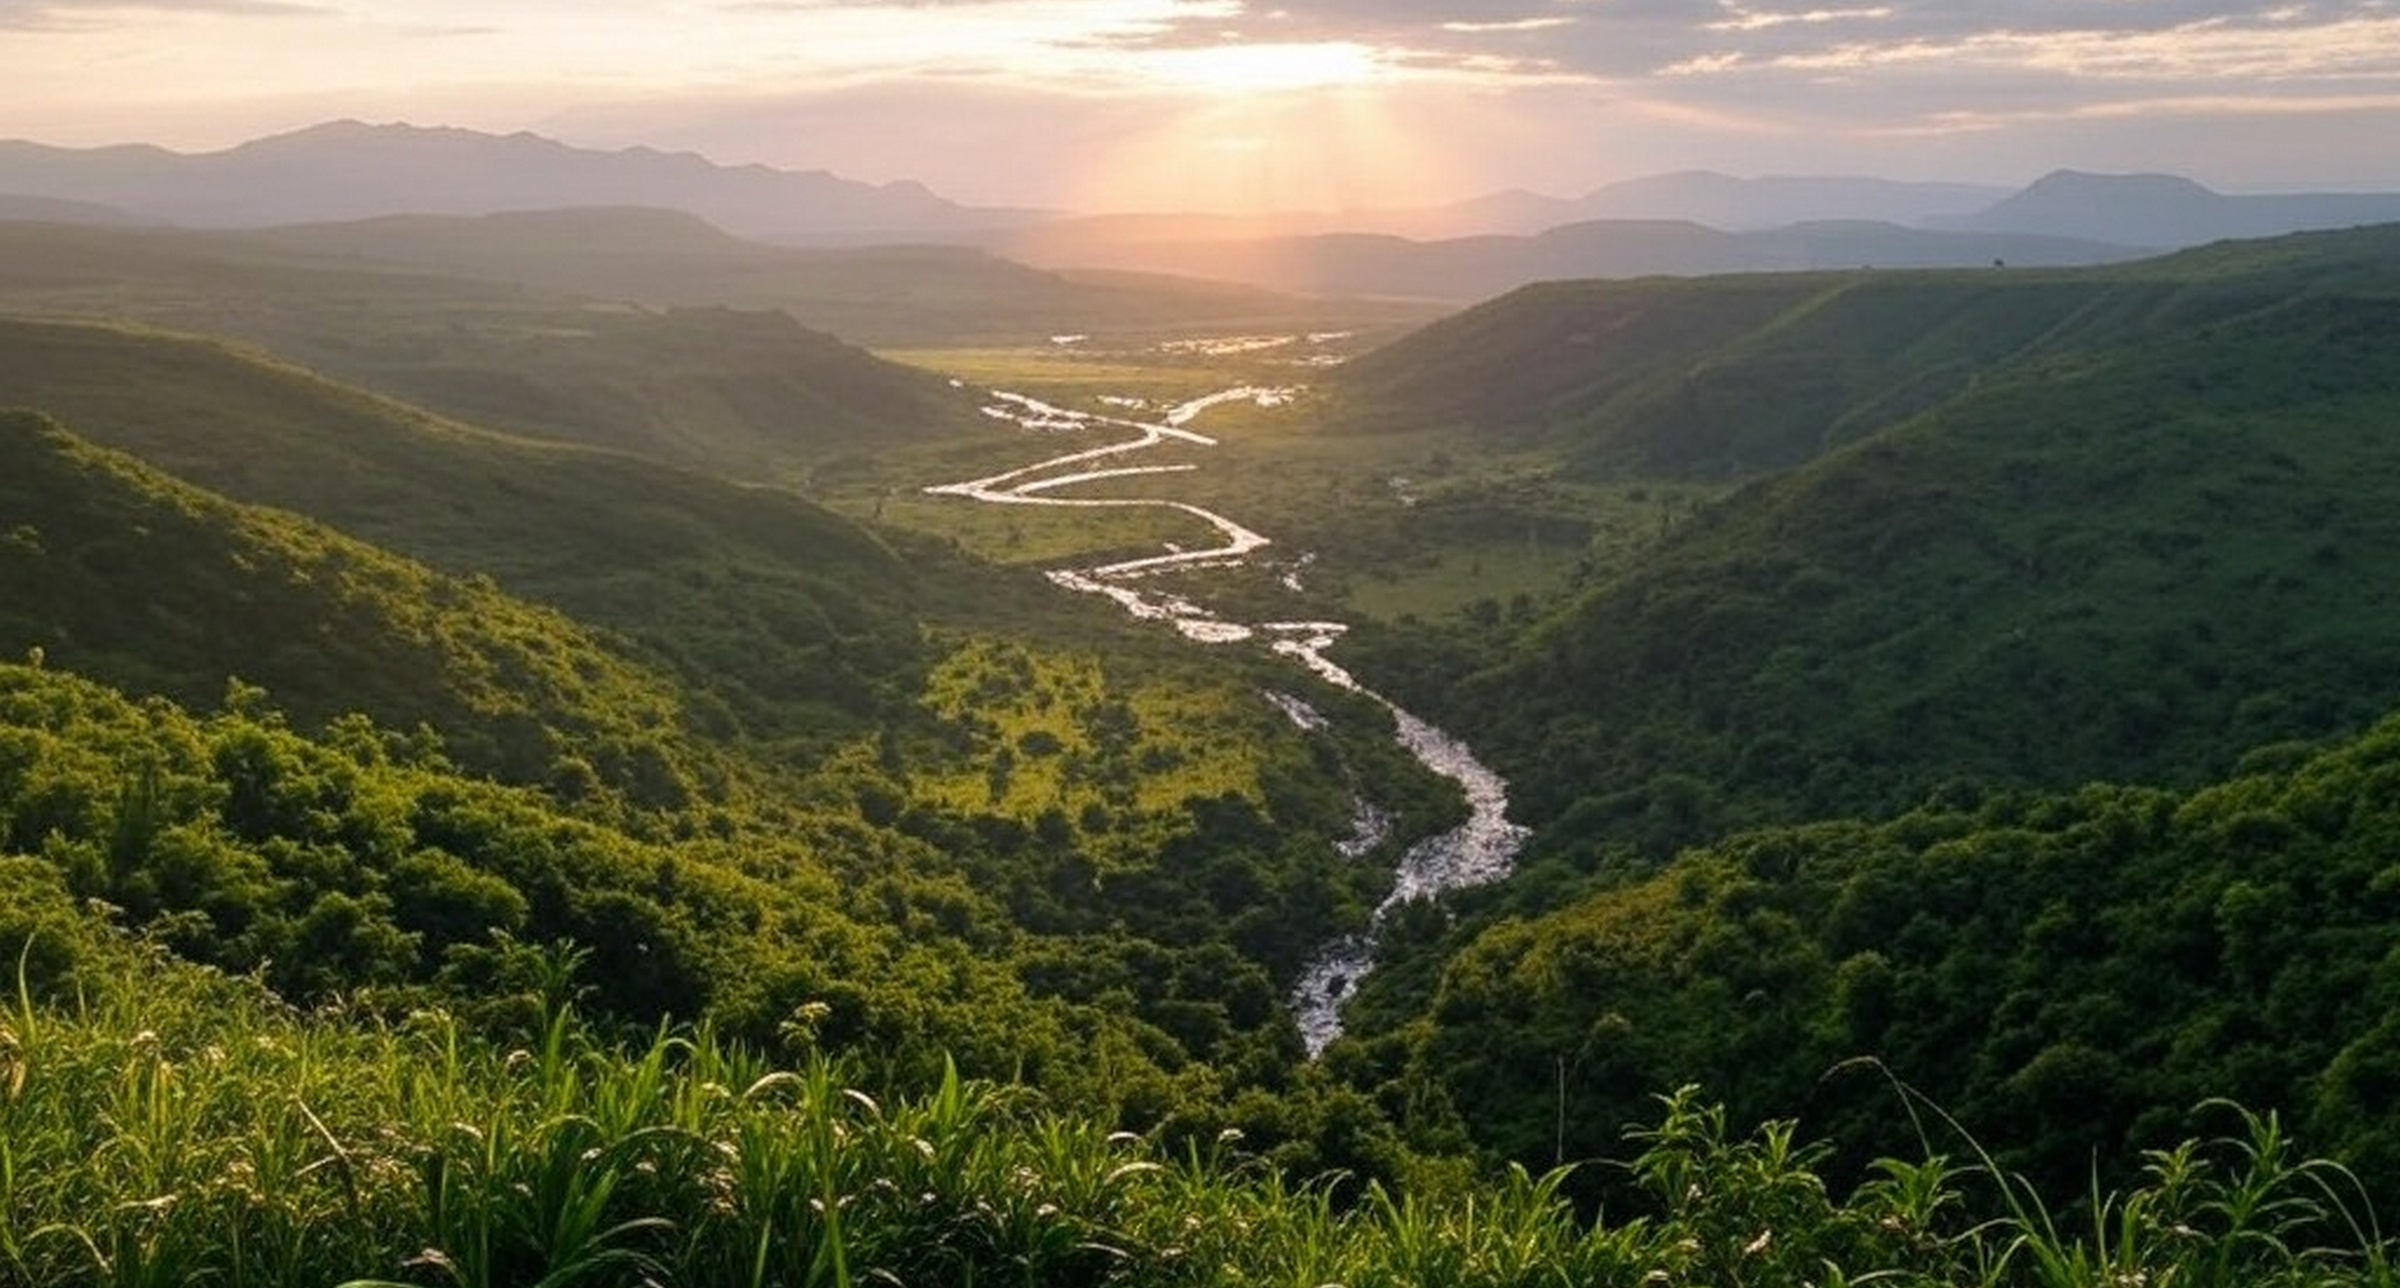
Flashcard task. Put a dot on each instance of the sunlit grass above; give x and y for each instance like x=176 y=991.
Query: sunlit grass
x=1390 y=525
x=1043 y=536
x=1035 y=733
x=1068 y=375
x=170 y=1126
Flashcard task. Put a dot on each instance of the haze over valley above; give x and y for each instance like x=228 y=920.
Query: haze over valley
x=1159 y=642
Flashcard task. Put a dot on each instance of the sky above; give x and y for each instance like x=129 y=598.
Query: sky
x=1265 y=104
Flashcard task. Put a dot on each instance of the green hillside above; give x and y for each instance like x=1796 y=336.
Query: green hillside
x=1816 y=775
x=1739 y=376
x=1114 y=923
x=112 y=570
x=750 y=393
x=2089 y=968
x=1536 y=359
x=790 y=618
x=1140 y=885
x=2131 y=567
x=361 y=863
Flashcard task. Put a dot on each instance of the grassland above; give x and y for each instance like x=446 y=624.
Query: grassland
x=1421 y=526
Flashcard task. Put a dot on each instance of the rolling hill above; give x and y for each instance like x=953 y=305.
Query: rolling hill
x=748 y=393
x=376 y=300
x=2024 y=742
x=2098 y=969
x=1740 y=375
x=2133 y=558
x=116 y=571
x=780 y=611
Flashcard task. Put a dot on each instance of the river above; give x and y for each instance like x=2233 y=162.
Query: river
x=1480 y=850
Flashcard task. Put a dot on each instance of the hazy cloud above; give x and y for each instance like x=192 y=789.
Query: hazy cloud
x=1157 y=102
x=64 y=15
x=1609 y=39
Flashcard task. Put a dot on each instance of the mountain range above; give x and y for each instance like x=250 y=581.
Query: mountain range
x=350 y=170
x=353 y=170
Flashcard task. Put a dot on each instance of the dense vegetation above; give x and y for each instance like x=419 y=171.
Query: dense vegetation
x=173 y=1126
x=2132 y=566
x=2148 y=542
x=2087 y=968
x=784 y=621
x=116 y=571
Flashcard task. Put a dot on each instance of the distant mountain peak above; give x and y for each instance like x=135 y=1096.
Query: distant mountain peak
x=2084 y=182
x=2166 y=210
x=349 y=169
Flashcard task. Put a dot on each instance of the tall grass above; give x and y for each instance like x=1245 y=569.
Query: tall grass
x=164 y=1125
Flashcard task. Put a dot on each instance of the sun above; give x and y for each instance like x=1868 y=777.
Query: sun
x=1267 y=128
x=1269 y=69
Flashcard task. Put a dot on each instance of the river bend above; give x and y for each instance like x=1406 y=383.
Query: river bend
x=1480 y=850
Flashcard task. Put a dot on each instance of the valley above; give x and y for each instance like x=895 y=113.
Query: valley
x=1477 y=851
x=1099 y=747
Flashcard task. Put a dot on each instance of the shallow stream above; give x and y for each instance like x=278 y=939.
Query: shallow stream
x=1480 y=850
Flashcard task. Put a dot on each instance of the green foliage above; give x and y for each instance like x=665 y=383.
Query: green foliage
x=2130 y=567
x=177 y=1126
x=1114 y=919
x=122 y=573
x=365 y=867
x=2084 y=967
x=778 y=618
x=1099 y=940
x=1741 y=375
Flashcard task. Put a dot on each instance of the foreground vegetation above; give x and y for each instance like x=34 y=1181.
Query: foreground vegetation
x=164 y=1124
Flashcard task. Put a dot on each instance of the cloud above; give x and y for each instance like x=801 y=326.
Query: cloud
x=1892 y=82
x=1624 y=39
x=1011 y=101
x=82 y=15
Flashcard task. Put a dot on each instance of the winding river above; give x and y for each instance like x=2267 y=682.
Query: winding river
x=1480 y=850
